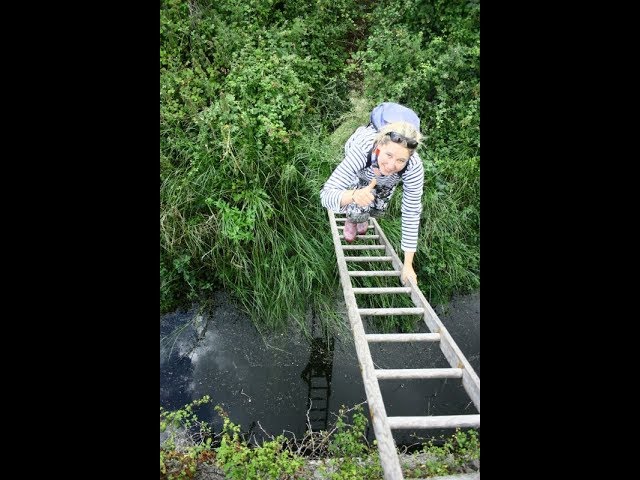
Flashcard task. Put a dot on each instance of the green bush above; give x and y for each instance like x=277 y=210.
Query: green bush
x=269 y=461
x=249 y=95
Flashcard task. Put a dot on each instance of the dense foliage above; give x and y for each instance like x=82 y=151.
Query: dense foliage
x=187 y=444
x=256 y=99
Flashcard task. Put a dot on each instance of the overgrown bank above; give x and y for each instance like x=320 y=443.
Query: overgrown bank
x=189 y=449
x=254 y=109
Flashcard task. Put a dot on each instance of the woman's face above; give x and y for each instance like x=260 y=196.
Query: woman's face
x=392 y=158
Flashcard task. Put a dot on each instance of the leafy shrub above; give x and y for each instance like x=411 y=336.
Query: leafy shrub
x=269 y=461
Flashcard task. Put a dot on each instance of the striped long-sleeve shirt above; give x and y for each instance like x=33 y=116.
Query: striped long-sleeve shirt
x=352 y=169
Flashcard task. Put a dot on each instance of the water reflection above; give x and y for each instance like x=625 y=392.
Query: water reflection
x=317 y=376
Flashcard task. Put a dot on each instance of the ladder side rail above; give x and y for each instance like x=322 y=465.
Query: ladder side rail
x=451 y=351
x=386 y=444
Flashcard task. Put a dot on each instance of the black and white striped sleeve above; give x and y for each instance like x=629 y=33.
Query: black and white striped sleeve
x=344 y=175
x=413 y=185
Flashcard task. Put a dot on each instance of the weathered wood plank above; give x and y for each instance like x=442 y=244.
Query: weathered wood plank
x=367 y=259
x=403 y=337
x=391 y=311
x=363 y=247
x=439 y=421
x=406 y=373
x=374 y=273
x=381 y=290
x=365 y=237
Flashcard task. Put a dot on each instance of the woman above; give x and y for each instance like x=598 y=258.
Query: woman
x=361 y=189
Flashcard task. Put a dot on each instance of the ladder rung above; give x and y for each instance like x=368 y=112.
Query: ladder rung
x=406 y=373
x=363 y=236
x=374 y=273
x=367 y=259
x=440 y=421
x=363 y=247
x=341 y=227
x=403 y=337
x=391 y=311
x=381 y=290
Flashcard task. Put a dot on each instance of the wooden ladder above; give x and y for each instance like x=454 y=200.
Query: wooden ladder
x=460 y=367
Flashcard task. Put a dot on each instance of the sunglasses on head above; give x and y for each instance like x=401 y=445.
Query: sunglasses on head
x=397 y=138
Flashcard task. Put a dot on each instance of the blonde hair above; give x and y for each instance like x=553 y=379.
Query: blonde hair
x=403 y=128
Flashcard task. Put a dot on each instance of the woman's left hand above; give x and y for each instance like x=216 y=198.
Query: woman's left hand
x=408 y=272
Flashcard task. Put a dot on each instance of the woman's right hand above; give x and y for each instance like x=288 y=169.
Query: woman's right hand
x=364 y=196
